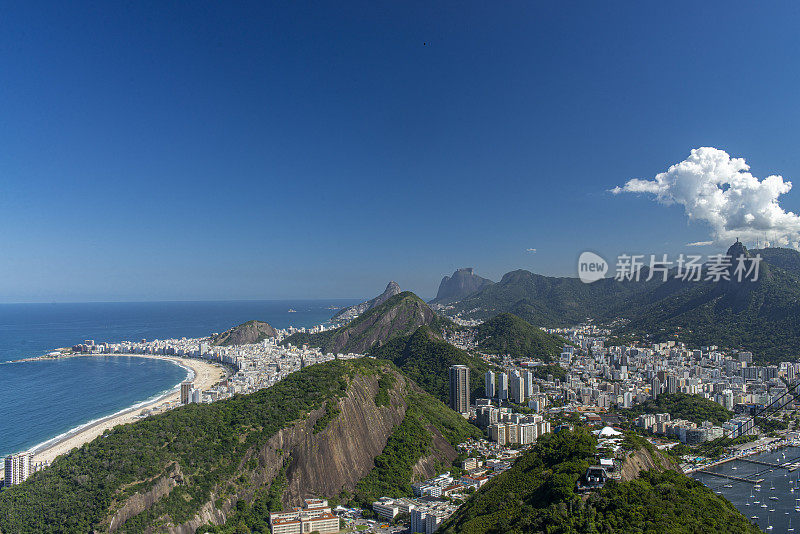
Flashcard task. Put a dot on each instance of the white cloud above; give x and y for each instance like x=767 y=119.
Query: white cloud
x=714 y=188
x=531 y=250
x=700 y=244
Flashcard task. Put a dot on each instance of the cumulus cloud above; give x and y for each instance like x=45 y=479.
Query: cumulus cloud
x=531 y=250
x=719 y=190
x=700 y=244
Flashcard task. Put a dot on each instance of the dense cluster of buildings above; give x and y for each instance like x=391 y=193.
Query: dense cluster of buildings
x=437 y=498
x=691 y=433
x=255 y=366
x=315 y=516
x=424 y=515
x=598 y=377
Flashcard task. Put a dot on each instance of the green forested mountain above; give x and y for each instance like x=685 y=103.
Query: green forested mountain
x=401 y=315
x=538 y=495
x=425 y=358
x=787 y=259
x=682 y=406
x=240 y=458
x=508 y=334
x=761 y=316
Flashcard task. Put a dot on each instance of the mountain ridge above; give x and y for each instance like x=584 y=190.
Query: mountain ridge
x=762 y=316
x=400 y=315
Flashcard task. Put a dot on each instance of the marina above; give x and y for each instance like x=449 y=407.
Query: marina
x=764 y=488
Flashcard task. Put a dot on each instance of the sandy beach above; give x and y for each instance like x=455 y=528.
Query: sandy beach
x=206 y=374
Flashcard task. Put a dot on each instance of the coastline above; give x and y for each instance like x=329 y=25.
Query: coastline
x=205 y=374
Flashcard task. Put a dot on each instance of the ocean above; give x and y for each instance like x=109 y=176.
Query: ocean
x=42 y=400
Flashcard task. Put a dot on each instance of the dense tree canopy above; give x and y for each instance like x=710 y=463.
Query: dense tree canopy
x=682 y=406
x=537 y=495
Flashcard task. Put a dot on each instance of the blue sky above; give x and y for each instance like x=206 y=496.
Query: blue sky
x=182 y=151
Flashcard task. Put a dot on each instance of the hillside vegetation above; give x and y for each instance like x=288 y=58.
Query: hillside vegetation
x=538 y=495
x=206 y=442
x=209 y=462
x=682 y=406
x=509 y=334
x=425 y=358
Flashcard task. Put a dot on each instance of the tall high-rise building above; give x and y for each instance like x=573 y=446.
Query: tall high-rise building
x=528 y=377
x=459 y=388
x=672 y=384
x=17 y=468
x=655 y=387
x=490 y=387
x=502 y=386
x=517 y=388
x=186 y=392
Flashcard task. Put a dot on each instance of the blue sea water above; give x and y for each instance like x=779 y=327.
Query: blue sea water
x=42 y=400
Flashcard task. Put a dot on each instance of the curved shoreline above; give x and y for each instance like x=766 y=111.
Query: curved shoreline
x=205 y=374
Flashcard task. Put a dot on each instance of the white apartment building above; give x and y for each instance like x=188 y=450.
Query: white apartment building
x=17 y=468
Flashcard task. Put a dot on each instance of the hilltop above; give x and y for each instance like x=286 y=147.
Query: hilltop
x=245 y=334
x=682 y=406
x=538 y=495
x=351 y=312
x=462 y=283
x=401 y=315
x=326 y=431
x=508 y=334
x=426 y=358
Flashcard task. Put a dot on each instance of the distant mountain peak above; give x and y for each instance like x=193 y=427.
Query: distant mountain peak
x=400 y=315
x=350 y=313
x=738 y=249
x=462 y=283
